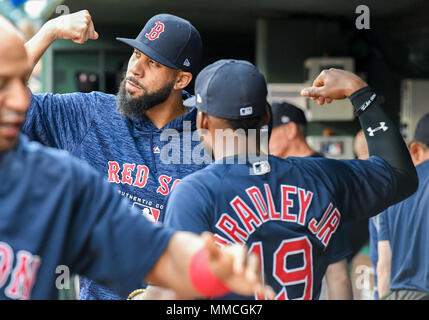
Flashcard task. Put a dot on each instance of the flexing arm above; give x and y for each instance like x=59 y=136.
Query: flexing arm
x=383 y=138
x=60 y=121
x=77 y=26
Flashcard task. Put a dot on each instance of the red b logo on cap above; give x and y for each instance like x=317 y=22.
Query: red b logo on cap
x=156 y=31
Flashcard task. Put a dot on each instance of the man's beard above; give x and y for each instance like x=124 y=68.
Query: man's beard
x=137 y=107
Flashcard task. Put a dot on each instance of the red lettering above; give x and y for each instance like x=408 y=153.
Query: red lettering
x=230 y=227
x=246 y=215
x=163 y=188
x=127 y=170
x=23 y=276
x=141 y=176
x=156 y=31
x=329 y=227
x=304 y=203
x=314 y=226
x=272 y=209
x=113 y=172
x=255 y=195
x=287 y=203
x=6 y=260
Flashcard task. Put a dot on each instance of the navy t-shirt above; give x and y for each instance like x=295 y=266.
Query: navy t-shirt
x=340 y=248
x=405 y=225
x=287 y=217
x=56 y=210
x=144 y=162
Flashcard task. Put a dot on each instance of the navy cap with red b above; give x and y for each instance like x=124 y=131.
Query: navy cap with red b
x=170 y=41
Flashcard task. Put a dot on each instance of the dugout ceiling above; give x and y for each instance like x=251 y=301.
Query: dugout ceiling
x=231 y=14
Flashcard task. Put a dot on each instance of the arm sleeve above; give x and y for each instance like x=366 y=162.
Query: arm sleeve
x=109 y=242
x=60 y=120
x=384 y=140
x=189 y=207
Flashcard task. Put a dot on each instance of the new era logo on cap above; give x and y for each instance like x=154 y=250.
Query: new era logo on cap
x=285 y=119
x=246 y=111
x=187 y=63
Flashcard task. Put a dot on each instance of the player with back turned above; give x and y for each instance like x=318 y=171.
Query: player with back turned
x=285 y=210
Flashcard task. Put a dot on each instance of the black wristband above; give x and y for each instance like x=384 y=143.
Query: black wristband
x=362 y=99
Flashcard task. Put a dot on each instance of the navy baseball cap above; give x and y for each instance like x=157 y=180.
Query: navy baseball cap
x=230 y=89
x=171 y=41
x=421 y=134
x=285 y=112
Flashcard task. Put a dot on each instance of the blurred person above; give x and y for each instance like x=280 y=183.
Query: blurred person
x=123 y=136
x=403 y=238
x=55 y=210
x=289 y=133
x=289 y=139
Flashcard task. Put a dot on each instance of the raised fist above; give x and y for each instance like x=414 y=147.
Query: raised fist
x=78 y=27
x=333 y=84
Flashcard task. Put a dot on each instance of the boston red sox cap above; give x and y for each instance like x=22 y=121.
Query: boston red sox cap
x=421 y=134
x=170 y=41
x=284 y=113
x=230 y=89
